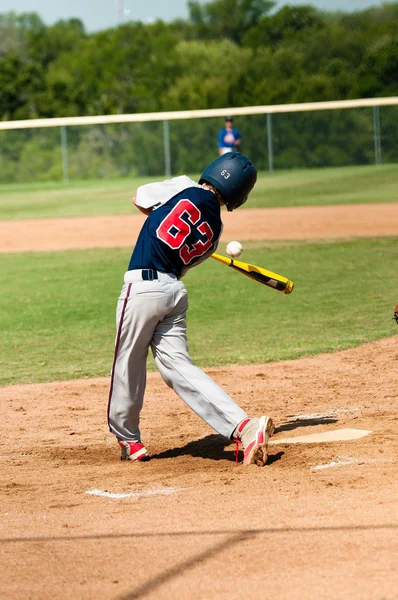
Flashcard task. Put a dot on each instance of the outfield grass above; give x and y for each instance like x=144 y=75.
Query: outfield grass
x=58 y=309
x=348 y=185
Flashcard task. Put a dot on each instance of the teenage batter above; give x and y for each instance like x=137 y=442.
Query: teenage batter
x=183 y=228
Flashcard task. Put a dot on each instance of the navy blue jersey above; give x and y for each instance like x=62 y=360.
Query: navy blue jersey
x=180 y=233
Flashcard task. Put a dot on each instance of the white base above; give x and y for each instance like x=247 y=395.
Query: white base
x=337 y=435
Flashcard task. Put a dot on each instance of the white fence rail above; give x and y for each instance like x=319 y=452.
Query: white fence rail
x=270 y=138
x=199 y=114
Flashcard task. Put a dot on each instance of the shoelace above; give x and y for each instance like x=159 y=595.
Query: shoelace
x=236 y=451
x=238 y=441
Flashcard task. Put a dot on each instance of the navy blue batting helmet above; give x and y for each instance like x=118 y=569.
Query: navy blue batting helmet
x=233 y=175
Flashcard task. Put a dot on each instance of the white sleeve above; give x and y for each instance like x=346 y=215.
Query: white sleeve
x=153 y=195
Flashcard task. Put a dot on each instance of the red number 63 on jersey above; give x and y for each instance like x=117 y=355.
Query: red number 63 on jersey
x=174 y=230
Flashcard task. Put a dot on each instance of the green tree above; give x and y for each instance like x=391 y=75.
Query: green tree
x=229 y=19
x=289 y=23
x=227 y=53
x=27 y=48
x=206 y=74
x=121 y=70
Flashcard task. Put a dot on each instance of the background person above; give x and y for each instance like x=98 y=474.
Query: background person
x=229 y=137
x=183 y=228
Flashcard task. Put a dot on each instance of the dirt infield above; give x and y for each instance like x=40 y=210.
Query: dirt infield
x=306 y=222
x=320 y=521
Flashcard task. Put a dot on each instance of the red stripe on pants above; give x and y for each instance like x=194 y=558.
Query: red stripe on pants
x=119 y=331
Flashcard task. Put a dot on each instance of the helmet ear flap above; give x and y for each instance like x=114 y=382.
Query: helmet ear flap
x=233 y=175
x=237 y=205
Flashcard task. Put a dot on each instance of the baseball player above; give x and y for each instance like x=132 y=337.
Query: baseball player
x=182 y=229
x=229 y=137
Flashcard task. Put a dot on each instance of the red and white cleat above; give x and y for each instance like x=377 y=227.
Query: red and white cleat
x=133 y=451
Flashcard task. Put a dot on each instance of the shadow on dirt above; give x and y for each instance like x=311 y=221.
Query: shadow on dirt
x=212 y=447
x=310 y=422
x=274 y=457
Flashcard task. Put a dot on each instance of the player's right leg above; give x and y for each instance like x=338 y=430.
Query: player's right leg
x=202 y=394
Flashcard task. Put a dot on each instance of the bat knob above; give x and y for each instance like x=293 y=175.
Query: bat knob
x=289 y=287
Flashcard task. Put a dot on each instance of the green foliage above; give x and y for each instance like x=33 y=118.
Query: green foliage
x=62 y=324
x=209 y=71
x=229 y=19
x=27 y=51
x=288 y=23
x=121 y=70
x=227 y=53
x=293 y=54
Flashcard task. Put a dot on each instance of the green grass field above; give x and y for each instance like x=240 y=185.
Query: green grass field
x=58 y=309
x=348 y=185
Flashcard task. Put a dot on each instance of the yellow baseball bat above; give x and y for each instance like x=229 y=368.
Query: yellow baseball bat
x=273 y=280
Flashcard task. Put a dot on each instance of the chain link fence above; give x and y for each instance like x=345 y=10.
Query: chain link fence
x=158 y=148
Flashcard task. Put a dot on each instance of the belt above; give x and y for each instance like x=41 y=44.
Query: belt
x=149 y=274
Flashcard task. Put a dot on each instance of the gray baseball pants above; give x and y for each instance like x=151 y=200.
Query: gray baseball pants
x=152 y=314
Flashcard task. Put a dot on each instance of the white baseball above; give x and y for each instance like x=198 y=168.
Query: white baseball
x=234 y=249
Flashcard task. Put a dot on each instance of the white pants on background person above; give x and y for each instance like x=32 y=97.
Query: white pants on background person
x=225 y=150
x=153 y=314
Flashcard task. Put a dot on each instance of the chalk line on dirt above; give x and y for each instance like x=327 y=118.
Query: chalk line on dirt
x=344 y=461
x=141 y=494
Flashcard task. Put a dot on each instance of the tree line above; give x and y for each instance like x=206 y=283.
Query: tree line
x=226 y=53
